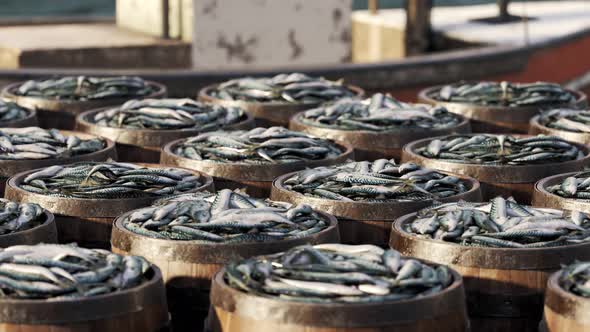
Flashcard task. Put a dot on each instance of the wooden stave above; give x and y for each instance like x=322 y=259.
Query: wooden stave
x=564 y=311
x=360 y=222
x=502 y=180
x=194 y=265
x=274 y=313
x=371 y=145
x=144 y=145
x=266 y=114
x=61 y=114
x=496 y=119
x=142 y=308
x=528 y=272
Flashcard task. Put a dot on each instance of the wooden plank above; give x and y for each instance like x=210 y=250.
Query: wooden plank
x=103 y=46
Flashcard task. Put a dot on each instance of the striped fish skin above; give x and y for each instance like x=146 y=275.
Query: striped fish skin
x=500 y=223
x=85 y=88
x=337 y=273
x=16 y=217
x=286 y=88
x=34 y=143
x=575 y=278
x=379 y=181
x=566 y=119
x=505 y=94
x=224 y=217
x=10 y=111
x=488 y=149
x=169 y=114
x=274 y=145
x=55 y=271
x=379 y=113
x=576 y=186
x=109 y=180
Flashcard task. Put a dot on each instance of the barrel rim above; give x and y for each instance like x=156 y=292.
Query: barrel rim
x=204 y=94
x=543 y=197
x=567 y=304
x=15 y=236
x=85 y=207
x=29 y=120
x=10 y=166
x=495 y=173
x=536 y=127
x=485 y=257
x=208 y=253
x=385 y=209
x=8 y=93
x=82 y=120
x=60 y=311
x=349 y=314
x=382 y=139
x=249 y=172
x=425 y=95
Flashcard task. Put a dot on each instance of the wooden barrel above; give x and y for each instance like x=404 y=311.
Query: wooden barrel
x=256 y=179
x=544 y=198
x=30 y=120
x=9 y=168
x=138 y=309
x=372 y=145
x=46 y=232
x=366 y=222
x=504 y=286
x=188 y=266
x=267 y=114
x=144 y=145
x=564 y=311
x=61 y=114
x=537 y=128
x=498 y=180
x=233 y=310
x=86 y=221
x=496 y=119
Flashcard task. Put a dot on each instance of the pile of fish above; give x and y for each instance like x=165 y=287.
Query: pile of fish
x=10 y=111
x=83 y=88
x=292 y=88
x=566 y=119
x=169 y=114
x=52 y=271
x=375 y=182
x=501 y=223
x=257 y=146
x=16 y=217
x=338 y=273
x=506 y=94
x=110 y=180
x=575 y=278
x=226 y=216
x=576 y=186
x=37 y=143
x=379 y=113
x=501 y=149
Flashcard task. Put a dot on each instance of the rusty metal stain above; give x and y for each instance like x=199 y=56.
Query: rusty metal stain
x=239 y=49
x=296 y=48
